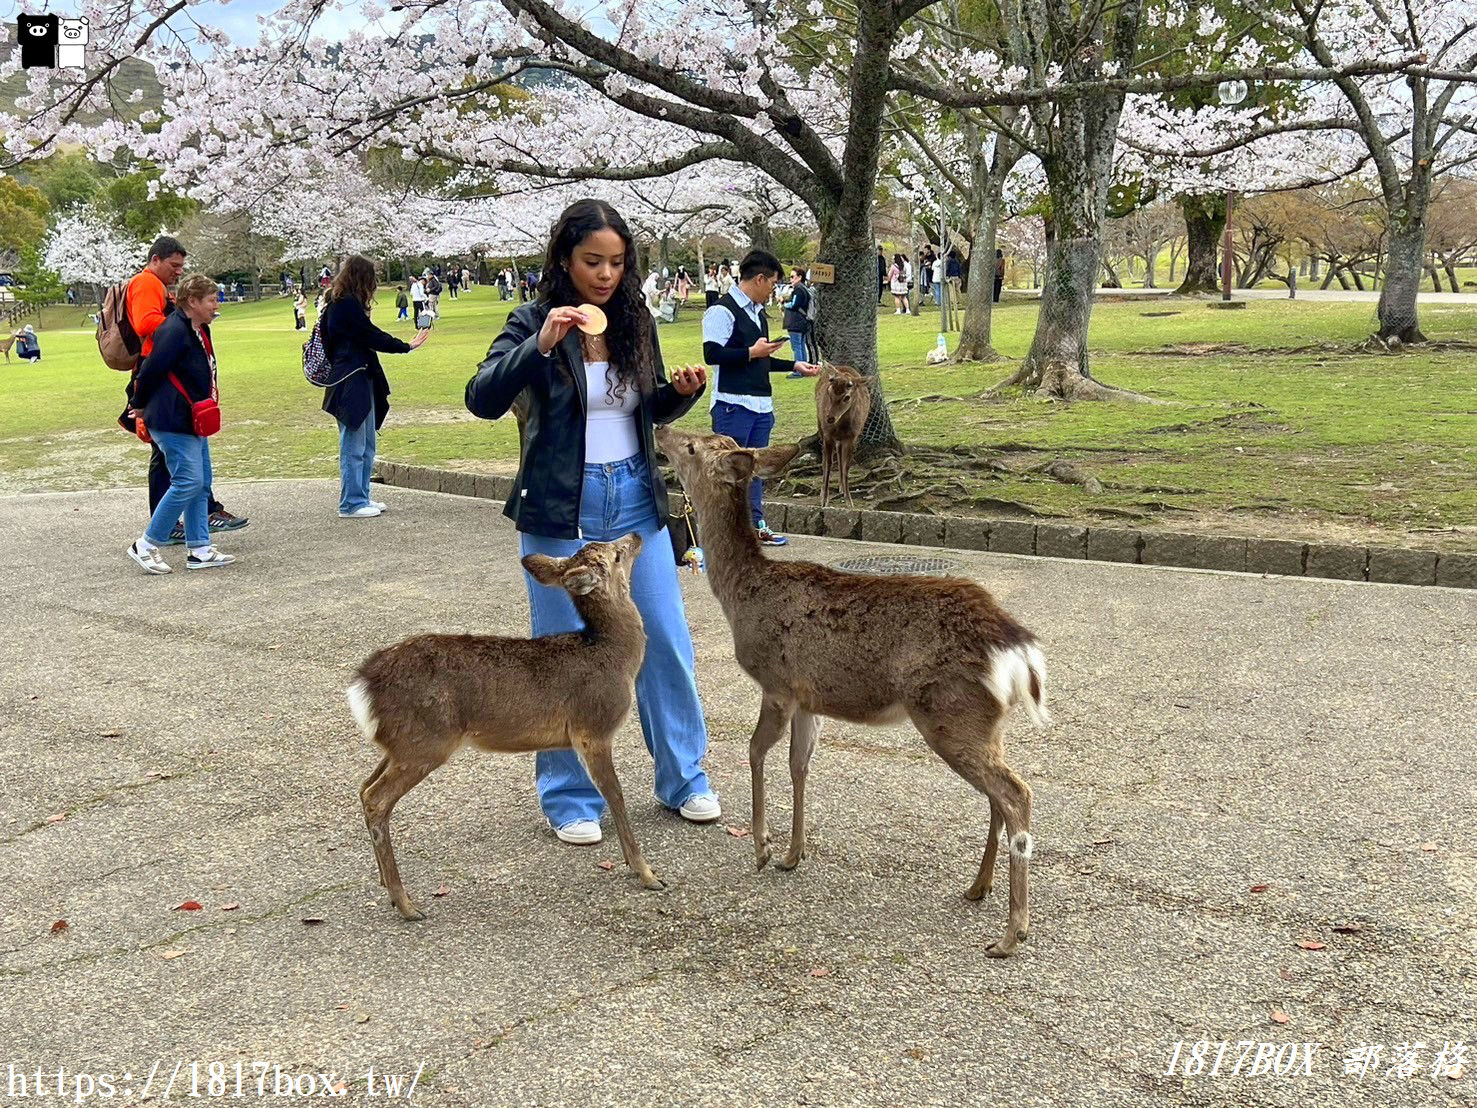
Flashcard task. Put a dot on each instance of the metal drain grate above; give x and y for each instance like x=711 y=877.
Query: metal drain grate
x=892 y=565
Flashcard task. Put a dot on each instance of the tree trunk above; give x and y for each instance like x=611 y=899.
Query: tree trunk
x=1435 y=275
x=1205 y=222
x=1399 y=323
x=1111 y=280
x=1448 y=263
x=1174 y=260
x=975 y=339
x=1151 y=263
x=1077 y=176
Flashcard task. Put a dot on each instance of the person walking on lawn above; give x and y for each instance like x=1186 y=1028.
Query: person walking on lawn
x=148 y=304
x=736 y=343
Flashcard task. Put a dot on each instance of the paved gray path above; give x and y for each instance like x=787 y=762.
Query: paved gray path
x=1214 y=733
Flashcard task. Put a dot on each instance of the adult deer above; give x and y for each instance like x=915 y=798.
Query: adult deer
x=842 y=404
x=424 y=698
x=869 y=649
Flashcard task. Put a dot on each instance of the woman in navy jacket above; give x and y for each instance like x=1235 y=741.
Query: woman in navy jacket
x=178 y=373
x=361 y=398
x=589 y=472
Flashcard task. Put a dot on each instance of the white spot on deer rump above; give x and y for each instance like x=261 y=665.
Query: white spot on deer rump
x=361 y=708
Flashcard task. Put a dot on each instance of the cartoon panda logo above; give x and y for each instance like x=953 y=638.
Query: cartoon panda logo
x=73 y=43
x=39 y=36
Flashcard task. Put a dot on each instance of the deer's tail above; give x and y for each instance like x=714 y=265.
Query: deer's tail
x=1017 y=675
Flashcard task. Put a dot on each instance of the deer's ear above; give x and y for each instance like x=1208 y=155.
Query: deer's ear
x=544 y=569
x=736 y=466
x=770 y=461
x=580 y=581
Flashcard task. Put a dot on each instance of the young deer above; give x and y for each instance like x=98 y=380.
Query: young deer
x=870 y=649
x=422 y=699
x=842 y=404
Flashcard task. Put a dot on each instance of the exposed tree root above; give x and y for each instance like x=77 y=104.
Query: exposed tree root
x=1056 y=380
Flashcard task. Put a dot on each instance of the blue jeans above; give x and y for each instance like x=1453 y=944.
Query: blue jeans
x=355 y=463
x=747 y=428
x=938 y=293
x=797 y=344
x=188 y=459
x=616 y=500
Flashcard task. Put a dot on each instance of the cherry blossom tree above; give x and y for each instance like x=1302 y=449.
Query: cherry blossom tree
x=86 y=247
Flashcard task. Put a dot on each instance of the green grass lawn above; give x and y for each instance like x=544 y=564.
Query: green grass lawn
x=1257 y=435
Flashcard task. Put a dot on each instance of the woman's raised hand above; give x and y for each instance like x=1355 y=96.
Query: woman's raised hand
x=689 y=380
x=420 y=338
x=557 y=324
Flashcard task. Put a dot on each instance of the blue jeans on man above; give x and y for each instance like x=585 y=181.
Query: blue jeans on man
x=616 y=500
x=747 y=428
x=355 y=463
x=797 y=345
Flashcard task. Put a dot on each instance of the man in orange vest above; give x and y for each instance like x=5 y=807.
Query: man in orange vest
x=149 y=303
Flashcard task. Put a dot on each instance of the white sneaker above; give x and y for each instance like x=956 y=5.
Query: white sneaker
x=700 y=808
x=377 y=504
x=210 y=559
x=581 y=832
x=150 y=561
x=369 y=511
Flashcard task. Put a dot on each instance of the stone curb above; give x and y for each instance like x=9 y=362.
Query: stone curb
x=1386 y=564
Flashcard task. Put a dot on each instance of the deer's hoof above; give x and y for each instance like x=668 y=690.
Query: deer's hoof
x=790 y=861
x=654 y=883
x=761 y=858
x=410 y=912
x=977 y=891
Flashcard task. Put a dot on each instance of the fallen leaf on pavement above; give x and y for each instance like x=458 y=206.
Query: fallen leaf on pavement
x=59 y=926
x=738 y=832
x=312 y=920
x=110 y=734
x=361 y=1017
x=820 y=971
x=1348 y=928
x=56 y=818
x=606 y=865
x=1284 y=973
x=1278 y=1016
x=341 y=1007
x=1428 y=847
x=171 y=955
x=1312 y=944
x=187 y=906
x=440 y=890
x=231 y=907
x=1259 y=888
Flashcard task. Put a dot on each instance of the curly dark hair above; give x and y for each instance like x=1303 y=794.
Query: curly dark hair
x=632 y=353
x=355 y=278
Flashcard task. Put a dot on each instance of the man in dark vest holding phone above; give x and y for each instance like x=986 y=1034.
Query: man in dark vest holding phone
x=737 y=345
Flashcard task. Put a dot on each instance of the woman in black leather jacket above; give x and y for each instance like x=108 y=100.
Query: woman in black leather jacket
x=589 y=473
x=361 y=398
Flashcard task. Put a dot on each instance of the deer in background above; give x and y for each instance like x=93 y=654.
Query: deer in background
x=424 y=698
x=868 y=649
x=842 y=404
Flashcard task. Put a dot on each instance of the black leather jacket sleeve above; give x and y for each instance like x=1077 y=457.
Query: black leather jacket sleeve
x=512 y=364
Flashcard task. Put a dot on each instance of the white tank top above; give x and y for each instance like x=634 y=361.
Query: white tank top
x=610 y=425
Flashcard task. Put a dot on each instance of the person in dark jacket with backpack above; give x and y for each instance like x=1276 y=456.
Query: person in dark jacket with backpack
x=589 y=472
x=797 y=317
x=361 y=398
x=178 y=374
